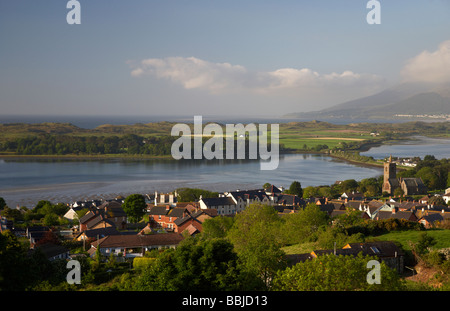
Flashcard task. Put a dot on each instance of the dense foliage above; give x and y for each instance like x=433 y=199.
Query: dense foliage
x=434 y=173
x=335 y=273
x=197 y=265
x=194 y=194
x=134 y=206
x=46 y=144
x=245 y=252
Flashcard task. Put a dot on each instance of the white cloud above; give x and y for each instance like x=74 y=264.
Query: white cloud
x=428 y=66
x=194 y=73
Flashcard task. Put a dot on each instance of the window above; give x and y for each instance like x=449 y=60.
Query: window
x=375 y=250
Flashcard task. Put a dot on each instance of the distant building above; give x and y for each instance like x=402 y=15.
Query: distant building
x=410 y=186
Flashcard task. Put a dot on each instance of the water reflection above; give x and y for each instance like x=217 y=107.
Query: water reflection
x=418 y=146
x=61 y=180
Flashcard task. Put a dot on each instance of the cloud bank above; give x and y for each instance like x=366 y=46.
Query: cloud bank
x=430 y=67
x=194 y=73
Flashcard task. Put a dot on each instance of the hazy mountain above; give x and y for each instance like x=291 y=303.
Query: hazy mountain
x=406 y=98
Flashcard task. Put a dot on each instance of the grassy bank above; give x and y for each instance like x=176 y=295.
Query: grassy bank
x=442 y=237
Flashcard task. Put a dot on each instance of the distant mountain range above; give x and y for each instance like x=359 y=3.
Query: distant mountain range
x=404 y=99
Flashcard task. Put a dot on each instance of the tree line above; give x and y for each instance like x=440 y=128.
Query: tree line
x=46 y=144
x=435 y=173
x=131 y=144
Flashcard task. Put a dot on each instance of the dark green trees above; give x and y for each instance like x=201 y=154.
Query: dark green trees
x=197 y=265
x=134 y=206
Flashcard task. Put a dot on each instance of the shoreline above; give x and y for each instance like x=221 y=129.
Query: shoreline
x=169 y=158
x=73 y=157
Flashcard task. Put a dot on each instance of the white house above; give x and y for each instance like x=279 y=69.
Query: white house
x=223 y=205
x=71 y=214
x=446 y=196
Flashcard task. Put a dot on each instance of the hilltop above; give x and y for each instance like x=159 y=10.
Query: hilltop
x=404 y=99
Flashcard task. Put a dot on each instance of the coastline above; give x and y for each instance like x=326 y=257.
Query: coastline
x=117 y=157
x=74 y=157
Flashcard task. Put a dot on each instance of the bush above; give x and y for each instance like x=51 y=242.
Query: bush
x=378 y=227
x=142 y=263
x=335 y=273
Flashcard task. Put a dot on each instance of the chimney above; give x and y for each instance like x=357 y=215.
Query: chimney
x=167 y=207
x=393 y=210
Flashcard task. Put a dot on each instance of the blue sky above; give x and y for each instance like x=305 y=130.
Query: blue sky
x=231 y=57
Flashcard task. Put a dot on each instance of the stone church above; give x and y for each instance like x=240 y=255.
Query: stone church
x=410 y=186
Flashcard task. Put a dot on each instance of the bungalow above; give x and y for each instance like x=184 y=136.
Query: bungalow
x=134 y=245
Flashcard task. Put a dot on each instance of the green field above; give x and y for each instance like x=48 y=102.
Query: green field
x=442 y=237
x=310 y=136
x=301 y=248
x=296 y=135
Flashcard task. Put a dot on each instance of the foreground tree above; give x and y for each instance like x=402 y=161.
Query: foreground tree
x=296 y=189
x=2 y=203
x=134 y=206
x=335 y=273
x=197 y=265
x=256 y=239
x=217 y=227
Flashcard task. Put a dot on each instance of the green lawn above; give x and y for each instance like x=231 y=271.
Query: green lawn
x=301 y=248
x=441 y=236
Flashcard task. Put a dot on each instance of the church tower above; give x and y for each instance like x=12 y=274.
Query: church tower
x=390 y=173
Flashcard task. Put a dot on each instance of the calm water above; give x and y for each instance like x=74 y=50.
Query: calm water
x=418 y=147
x=26 y=182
